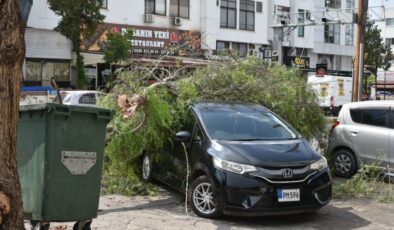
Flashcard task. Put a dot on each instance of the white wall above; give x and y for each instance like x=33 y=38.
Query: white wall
x=130 y=12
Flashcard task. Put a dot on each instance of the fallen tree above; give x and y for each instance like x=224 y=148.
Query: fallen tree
x=148 y=116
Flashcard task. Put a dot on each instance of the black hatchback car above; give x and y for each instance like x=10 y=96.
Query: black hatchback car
x=244 y=160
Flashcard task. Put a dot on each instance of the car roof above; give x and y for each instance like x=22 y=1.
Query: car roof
x=238 y=106
x=371 y=103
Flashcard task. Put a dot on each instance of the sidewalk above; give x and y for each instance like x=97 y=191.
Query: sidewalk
x=166 y=211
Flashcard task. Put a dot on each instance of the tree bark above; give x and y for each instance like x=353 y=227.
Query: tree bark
x=12 y=53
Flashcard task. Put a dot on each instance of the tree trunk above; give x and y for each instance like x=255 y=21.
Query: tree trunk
x=12 y=53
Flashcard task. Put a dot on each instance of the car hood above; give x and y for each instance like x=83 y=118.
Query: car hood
x=265 y=153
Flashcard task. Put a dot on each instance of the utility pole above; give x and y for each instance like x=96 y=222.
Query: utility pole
x=359 y=50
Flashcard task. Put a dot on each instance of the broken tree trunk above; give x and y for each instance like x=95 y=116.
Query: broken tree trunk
x=12 y=53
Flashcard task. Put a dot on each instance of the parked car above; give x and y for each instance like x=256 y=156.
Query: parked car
x=363 y=134
x=81 y=98
x=244 y=160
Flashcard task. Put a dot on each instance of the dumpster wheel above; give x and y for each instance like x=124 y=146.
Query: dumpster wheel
x=39 y=225
x=82 y=225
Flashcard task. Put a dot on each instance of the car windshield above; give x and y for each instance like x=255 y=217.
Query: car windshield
x=247 y=125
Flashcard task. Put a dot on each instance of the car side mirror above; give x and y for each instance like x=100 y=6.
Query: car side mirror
x=183 y=136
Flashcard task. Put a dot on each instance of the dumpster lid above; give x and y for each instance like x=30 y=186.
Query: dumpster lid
x=68 y=109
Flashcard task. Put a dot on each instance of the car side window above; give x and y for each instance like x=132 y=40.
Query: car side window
x=189 y=122
x=89 y=98
x=374 y=117
x=197 y=133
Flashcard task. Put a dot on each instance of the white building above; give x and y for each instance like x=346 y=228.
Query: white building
x=330 y=44
x=204 y=28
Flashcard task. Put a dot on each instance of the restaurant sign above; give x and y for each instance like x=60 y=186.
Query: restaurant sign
x=148 y=40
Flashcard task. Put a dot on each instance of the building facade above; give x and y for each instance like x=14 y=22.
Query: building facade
x=201 y=29
x=322 y=43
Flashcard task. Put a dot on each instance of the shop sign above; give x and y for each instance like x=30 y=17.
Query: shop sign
x=149 y=40
x=301 y=62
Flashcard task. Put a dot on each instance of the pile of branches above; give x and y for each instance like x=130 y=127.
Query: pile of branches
x=148 y=116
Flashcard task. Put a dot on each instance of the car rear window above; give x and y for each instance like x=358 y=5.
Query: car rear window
x=89 y=99
x=374 y=117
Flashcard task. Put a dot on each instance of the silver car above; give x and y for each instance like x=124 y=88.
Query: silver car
x=363 y=134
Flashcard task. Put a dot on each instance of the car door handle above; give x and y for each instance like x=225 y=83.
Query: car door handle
x=354 y=132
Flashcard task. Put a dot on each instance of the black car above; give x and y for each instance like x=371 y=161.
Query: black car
x=244 y=160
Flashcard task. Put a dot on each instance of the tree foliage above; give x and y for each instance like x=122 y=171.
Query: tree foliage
x=166 y=102
x=79 y=20
x=118 y=46
x=377 y=54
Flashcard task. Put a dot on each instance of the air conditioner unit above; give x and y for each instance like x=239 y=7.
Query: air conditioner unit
x=148 y=18
x=177 y=21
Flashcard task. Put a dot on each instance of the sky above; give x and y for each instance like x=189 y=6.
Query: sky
x=387 y=3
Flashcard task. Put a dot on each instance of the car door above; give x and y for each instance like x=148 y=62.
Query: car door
x=370 y=134
x=391 y=141
x=193 y=149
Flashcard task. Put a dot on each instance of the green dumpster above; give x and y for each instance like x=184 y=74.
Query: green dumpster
x=60 y=158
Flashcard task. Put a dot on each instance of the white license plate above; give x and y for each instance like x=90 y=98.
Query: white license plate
x=288 y=195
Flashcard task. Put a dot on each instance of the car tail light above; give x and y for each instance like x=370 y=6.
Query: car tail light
x=336 y=123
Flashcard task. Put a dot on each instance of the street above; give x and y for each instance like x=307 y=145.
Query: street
x=166 y=211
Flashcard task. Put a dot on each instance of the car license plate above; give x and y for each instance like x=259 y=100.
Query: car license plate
x=288 y=195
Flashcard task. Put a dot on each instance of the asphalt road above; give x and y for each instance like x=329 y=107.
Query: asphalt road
x=167 y=211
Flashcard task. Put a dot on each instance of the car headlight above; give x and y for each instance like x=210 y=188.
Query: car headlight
x=233 y=167
x=319 y=165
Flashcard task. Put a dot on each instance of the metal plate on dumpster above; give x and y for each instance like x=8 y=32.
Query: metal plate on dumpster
x=78 y=163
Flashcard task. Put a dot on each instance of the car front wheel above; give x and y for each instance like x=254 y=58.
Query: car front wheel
x=345 y=163
x=203 y=198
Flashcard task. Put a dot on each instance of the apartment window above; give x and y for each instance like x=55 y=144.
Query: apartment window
x=246 y=15
x=332 y=33
x=228 y=15
x=259 y=7
x=180 y=8
x=104 y=4
x=390 y=41
x=390 y=22
x=240 y=48
x=336 y=4
x=301 y=19
x=349 y=35
x=350 y=4
x=155 y=7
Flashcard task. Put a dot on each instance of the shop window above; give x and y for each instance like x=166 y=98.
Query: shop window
x=155 y=7
x=240 y=48
x=222 y=47
x=228 y=14
x=246 y=15
x=180 y=8
x=40 y=72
